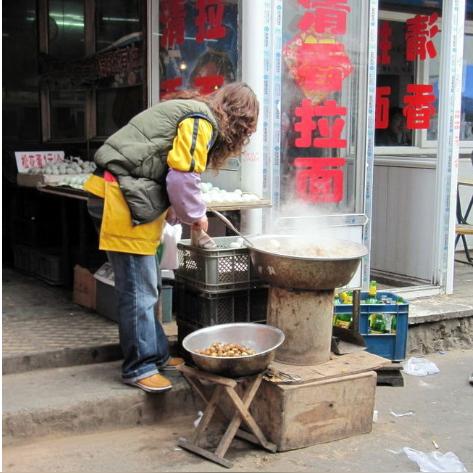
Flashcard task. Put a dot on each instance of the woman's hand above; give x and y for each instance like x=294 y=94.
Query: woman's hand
x=201 y=224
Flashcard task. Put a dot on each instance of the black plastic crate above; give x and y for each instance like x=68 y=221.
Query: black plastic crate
x=23 y=258
x=206 y=309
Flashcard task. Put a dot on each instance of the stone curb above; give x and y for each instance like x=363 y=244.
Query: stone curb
x=85 y=399
x=68 y=357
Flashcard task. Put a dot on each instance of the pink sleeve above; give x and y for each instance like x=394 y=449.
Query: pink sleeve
x=185 y=196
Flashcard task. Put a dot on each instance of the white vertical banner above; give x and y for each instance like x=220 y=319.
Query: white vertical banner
x=370 y=134
x=449 y=113
x=254 y=18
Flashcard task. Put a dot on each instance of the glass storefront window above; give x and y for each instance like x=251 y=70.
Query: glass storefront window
x=199 y=45
x=396 y=72
x=67 y=114
x=120 y=63
x=116 y=20
x=21 y=115
x=116 y=107
x=466 y=127
x=66 y=29
x=323 y=62
x=393 y=76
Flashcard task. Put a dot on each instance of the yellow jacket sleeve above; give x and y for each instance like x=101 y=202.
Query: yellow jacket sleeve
x=191 y=145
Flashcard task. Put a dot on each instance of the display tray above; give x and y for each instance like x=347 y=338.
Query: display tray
x=257 y=204
x=64 y=191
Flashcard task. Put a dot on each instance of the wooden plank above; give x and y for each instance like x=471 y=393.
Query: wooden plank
x=352 y=363
x=186 y=445
x=188 y=371
x=208 y=414
x=244 y=435
x=250 y=421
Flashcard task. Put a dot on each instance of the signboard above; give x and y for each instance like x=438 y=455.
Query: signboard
x=26 y=160
x=319 y=63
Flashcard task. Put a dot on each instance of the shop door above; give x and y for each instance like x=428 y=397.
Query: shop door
x=319 y=131
x=419 y=129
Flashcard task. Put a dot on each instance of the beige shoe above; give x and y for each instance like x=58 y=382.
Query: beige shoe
x=156 y=383
x=172 y=364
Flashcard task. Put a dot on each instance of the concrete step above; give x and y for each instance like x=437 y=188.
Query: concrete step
x=82 y=399
x=40 y=360
x=63 y=357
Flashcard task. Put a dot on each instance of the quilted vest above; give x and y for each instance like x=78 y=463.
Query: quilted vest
x=137 y=154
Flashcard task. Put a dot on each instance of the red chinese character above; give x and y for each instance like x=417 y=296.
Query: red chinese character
x=419 y=31
x=208 y=84
x=319 y=179
x=322 y=67
x=209 y=20
x=382 y=107
x=39 y=161
x=327 y=16
x=169 y=86
x=330 y=131
x=25 y=161
x=305 y=126
x=419 y=109
x=384 y=43
x=172 y=19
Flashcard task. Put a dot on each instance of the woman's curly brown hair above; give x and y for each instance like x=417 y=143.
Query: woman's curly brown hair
x=236 y=110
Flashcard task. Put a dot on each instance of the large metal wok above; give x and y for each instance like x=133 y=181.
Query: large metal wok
x=280 y=269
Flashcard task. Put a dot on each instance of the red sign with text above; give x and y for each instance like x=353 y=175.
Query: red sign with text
x=319 y=64
x=418 y=103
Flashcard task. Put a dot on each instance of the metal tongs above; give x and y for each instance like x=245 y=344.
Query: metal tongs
x=279 y=377
x=231 y=226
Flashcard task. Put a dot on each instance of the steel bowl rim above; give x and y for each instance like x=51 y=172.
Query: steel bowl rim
x=363 y=250
x=240 y=324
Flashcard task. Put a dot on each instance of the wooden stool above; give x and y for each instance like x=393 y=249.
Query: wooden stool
x=241 y=413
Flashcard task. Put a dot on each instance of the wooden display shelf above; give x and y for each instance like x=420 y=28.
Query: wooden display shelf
x=80 y=194
x=64 y=192
x=257 y=204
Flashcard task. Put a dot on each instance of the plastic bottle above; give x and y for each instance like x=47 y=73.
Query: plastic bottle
x=372 y=291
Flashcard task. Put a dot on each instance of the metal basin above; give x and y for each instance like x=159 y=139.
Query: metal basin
x=334 y=269
x=264 y=339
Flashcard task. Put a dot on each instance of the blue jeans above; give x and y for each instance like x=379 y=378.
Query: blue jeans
x=144 y=345
x=137 y=283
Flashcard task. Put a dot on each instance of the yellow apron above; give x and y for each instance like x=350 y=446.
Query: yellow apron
x=117 y=233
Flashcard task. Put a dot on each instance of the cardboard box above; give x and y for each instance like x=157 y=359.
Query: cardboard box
x=107 y=304
x=84 y=292
x=29 y=180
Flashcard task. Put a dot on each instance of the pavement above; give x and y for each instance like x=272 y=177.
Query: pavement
x=442 y=415
x=43 y=328
x=62 y=396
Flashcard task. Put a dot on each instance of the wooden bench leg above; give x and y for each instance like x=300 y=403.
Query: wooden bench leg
x=243 y=411
x=208 y=414
x=234 y=425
